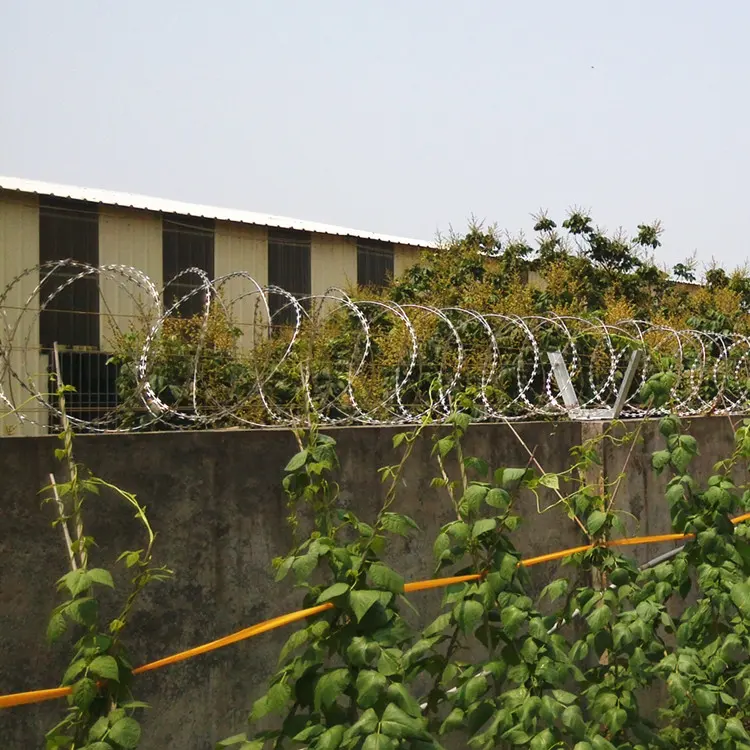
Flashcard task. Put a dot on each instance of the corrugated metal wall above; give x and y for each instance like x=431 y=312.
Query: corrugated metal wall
x=334 y=262
x=19 y=250
x=239 y=247
x=129 y=238
x=404 y=256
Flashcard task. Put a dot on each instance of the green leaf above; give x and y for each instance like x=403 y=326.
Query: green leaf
x=600 y=743
x=330 y=686
x=304 y=566
x=595 y=521
x=379 y=742
x=474 y=689
x=366 y=724
x=83 y=611
x=474 y=497
x=660 y=459
x=362 y=600
x=389 y=662
x=234 y=740
x=105 y=667
x=510 y=478
x=73 y=671
x=454 y=720
x=102 y=577
x=385 y=578
x=736 y=730
x=98 y=729
x=599 y=618
x=555 y=589
x=56 y=628
x=441 y=546
x=399 y=438
x=370 y=686
x=572 y=719
x=497 y=498
x=615 y=719
x=398 y=523
x=482 y=526
x=331 y=738
x=297 y=462
x=126 y=733
x=76 y=581
x=337 y=589
x=84 y=692
x=92 y=745
x=511 y=618
x=545 y=740
x=680 y=459
x=295 y=640
x=468 y=614
x=444 y=446
x=398 y=724
x=715 y=727
x=399 y=694
x=740 y=594
x=550 y=480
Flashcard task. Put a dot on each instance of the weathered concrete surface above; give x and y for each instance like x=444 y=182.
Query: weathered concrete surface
x=215 y=498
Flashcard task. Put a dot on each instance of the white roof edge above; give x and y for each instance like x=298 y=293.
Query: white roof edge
x=161 y=205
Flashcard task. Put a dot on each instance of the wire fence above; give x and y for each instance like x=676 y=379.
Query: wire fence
x=230 y=351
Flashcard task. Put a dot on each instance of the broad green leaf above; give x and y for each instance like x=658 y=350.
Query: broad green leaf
x=736 y=730
x=550 y=480
x=442 y=545
x=102 y=577
x=545 y=740
x=366 y=724
x=740 y=594
x=331 y=738
x=510 y=478
x=73 y=671
x=468 y=614
x=379 y=742
x=398 y=724
x=230 y=741
x=385 y=578
x=715 y=727
x=454 y=720
x=94 y=746
x=474 y=689
x=555 y=589
x=362 y=600
x=295 y=640
x=56 y=628
x=389 y=662
x=599 y=618
x=615 y=719
x=399 y=694
x=297 y=461
x=330 y=686
x=126 y=733
x=474 y=497
x=83 y=611
x=98 y=729
x=84 y=692
x=512 y=617
x=105 y=667
x=572 y=719
x=595 y=521
x=601 y=743
x=398 y=523
x=303 y=567
x=482 y=526
x=497 y=498
x=370 y=686
x=444 y=446
x=337 y=589
x=660 y=459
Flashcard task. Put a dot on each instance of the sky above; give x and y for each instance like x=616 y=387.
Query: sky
x=400 y=117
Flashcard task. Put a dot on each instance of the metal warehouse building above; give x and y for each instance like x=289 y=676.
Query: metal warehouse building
x=41 y=222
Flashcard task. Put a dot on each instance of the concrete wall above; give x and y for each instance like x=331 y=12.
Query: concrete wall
x=216 y=501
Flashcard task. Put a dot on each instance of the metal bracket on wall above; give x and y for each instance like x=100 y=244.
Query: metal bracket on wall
x=568 y=393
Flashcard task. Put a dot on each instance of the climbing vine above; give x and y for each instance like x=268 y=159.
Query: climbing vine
x=580 y=664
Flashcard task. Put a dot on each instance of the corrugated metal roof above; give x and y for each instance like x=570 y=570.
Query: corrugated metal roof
x=161 y=205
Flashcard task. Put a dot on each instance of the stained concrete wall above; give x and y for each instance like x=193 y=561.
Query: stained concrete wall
x=215 y=499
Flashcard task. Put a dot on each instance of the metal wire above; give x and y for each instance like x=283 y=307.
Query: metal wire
x=394 y=363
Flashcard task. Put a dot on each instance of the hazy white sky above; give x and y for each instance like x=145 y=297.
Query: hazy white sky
x=401 y=117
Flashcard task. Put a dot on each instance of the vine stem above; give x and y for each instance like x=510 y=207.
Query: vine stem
x=63 y=523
